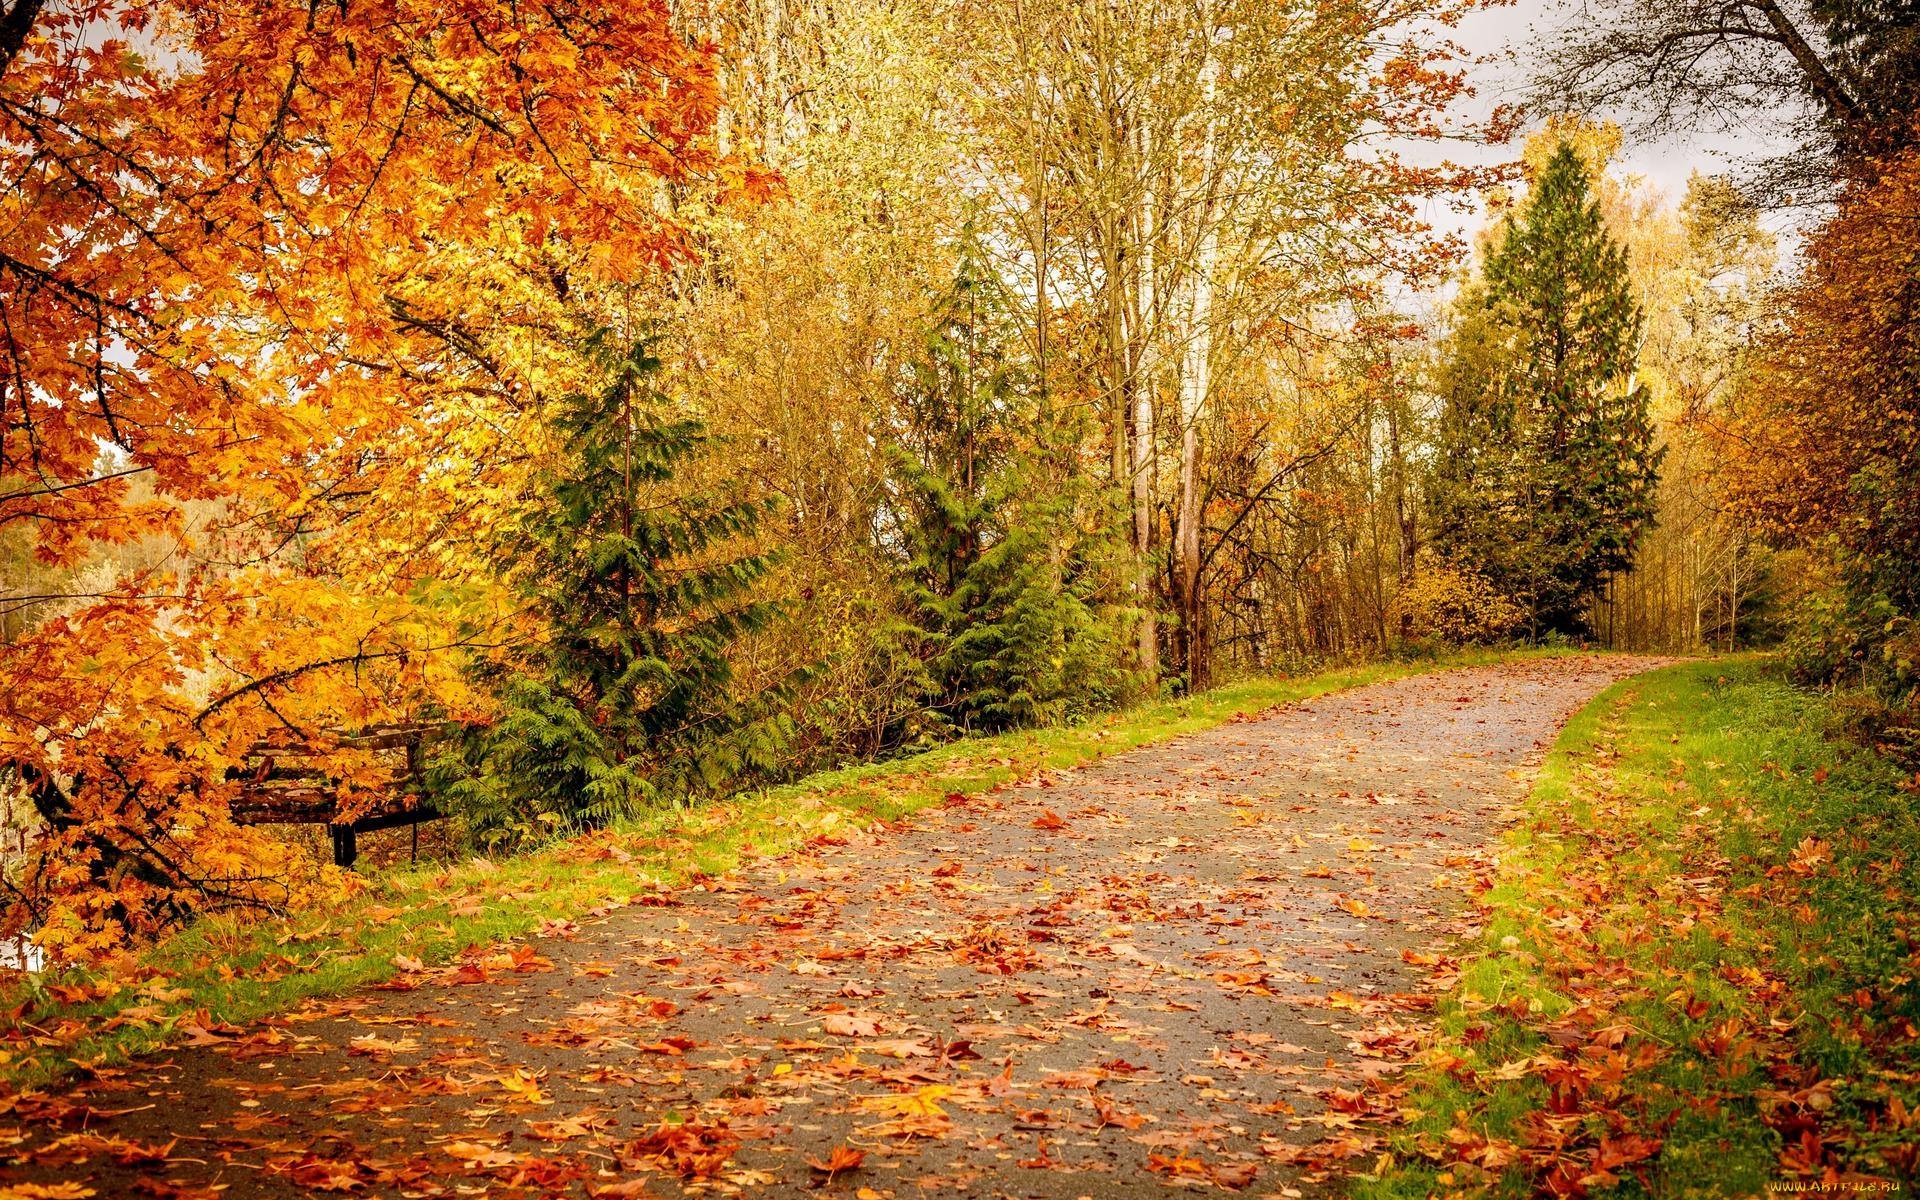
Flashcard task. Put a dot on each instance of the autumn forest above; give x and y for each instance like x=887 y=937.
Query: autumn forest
x=944 y=597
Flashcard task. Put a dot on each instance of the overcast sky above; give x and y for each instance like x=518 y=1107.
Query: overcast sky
x=1505 y=34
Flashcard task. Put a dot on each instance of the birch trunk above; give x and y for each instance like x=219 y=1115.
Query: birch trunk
x=1196 y=380
x=1147 y=650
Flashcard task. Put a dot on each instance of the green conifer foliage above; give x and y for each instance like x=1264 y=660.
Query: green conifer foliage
x=644 y=591
x=1545 y=463
x=999 y=562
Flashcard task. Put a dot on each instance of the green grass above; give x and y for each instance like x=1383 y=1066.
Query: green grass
x=1709 y=914
x=226 y=970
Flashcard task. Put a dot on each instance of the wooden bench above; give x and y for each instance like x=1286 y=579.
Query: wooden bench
x=283 y=786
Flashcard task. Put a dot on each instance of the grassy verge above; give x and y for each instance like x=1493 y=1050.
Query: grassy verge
x=225 y=971
x=1696 y=973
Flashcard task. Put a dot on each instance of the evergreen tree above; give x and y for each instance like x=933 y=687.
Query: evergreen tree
x=1003 y=612
x=1545 y=462
x=643 y=593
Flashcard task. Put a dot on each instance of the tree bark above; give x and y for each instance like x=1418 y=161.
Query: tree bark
x=1196 y=381
x=1147 y=645
x=1840 y=104
x=15 y=26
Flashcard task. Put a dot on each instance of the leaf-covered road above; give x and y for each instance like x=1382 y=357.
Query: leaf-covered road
x=1198 y=964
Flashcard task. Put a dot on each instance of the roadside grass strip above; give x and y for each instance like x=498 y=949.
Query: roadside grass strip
x=1695 y=971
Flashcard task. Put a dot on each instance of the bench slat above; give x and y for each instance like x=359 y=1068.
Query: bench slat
x=276 y=794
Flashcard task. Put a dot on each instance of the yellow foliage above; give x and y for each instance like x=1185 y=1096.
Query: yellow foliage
x=1455 y=605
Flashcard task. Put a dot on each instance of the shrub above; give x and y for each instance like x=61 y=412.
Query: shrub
x=1455 y=605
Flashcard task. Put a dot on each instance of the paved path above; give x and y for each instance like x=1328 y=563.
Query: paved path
x=1192 y=965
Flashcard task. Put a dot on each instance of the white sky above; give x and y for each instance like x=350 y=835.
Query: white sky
x=1504 y=34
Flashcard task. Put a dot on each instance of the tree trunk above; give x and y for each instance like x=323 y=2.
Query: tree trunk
x=1196 y=380
x=1147 y=647
x=773 y=109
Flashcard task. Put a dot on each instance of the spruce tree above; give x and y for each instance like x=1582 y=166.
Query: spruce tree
x=629 y=697
x=1545 y=462
x=1003 y=610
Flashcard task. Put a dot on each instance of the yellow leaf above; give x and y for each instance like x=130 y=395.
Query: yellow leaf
x=523 y=1087
x=922 y=1103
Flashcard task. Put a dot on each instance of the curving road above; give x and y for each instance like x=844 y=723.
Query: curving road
x=1201 y=964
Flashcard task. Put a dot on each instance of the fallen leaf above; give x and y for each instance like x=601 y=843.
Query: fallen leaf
x=850 y=1024
x=841 y=1158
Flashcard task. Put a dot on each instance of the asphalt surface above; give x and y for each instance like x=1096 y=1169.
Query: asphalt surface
x=1198 y=965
